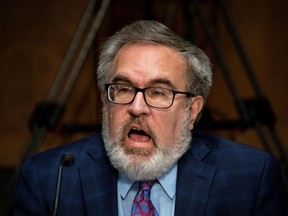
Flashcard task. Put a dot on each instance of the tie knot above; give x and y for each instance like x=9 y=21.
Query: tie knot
x=142 y=204
x=146 y=185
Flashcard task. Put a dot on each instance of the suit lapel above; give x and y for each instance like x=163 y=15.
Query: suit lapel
x=99 y=184
x=194 y=180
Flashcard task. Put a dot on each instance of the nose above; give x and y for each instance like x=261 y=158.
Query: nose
x=138 y=106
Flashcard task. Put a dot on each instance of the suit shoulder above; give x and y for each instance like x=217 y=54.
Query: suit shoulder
x=78 y=149
x=230 y=151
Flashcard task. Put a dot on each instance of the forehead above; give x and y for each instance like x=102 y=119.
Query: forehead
x=144 y=64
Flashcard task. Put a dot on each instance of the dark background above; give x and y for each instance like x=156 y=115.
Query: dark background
x=35 y=35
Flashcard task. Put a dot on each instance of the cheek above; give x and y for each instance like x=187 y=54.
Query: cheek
x=116 y=117
x=167 y=126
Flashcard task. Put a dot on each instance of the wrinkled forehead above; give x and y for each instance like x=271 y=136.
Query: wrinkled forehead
x=146 y=63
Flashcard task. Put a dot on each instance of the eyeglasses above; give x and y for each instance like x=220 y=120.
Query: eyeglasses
x=156 y=97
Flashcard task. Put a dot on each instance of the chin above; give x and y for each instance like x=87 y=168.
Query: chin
x=139 y=152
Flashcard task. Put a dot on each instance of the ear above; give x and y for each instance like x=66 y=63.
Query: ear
x=103 y=96
x=195 y=109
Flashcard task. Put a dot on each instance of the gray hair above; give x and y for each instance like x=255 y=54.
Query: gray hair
x=199 y=74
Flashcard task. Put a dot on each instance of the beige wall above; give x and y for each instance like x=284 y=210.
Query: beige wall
x=35 y=36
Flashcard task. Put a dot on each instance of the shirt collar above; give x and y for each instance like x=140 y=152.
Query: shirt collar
x=167 y=181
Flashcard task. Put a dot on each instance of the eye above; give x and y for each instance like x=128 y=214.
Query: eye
x=124 y=89
x=157 y=92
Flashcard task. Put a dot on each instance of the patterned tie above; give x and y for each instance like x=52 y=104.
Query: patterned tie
x=142 y=205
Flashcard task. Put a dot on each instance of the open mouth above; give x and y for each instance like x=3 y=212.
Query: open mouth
x=138 y=135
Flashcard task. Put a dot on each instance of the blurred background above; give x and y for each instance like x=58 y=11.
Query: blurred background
x=248 y=102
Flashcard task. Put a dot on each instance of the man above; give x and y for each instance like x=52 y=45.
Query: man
x=153 y=86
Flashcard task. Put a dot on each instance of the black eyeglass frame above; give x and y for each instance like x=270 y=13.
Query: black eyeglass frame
x=107 y=85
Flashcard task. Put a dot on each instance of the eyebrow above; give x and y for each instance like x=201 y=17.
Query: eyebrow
x=163 y=81
x=120 y=78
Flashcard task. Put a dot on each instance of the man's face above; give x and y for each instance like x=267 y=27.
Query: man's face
x=137 y=133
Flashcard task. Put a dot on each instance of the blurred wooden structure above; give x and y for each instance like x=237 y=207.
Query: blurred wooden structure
x=35 y=36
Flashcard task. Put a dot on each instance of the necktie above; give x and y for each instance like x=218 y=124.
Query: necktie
x=142 y=205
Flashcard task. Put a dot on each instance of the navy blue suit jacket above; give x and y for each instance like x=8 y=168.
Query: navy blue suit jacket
x=215 y=177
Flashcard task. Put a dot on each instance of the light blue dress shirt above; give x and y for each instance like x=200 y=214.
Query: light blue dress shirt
x=162 y=193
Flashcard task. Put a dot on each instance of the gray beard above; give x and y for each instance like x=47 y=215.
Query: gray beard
x=140 y=165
